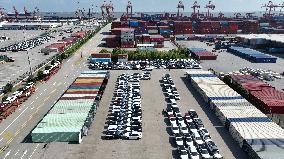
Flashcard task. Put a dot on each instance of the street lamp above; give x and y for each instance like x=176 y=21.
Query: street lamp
x=29 y=61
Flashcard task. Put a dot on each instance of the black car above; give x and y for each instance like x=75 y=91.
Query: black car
x=113 y=135
x=193 y=113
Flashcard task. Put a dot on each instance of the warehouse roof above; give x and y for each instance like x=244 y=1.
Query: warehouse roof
x=270 y=37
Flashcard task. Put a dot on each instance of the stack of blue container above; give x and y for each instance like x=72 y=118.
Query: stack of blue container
x=252 y=55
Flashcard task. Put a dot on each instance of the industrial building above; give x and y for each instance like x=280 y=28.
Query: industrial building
x=72 y=115
x=273 y=43
x=28 y=25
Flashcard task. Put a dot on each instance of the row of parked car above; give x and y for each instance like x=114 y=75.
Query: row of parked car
x=147 y=65
x=262 y=74
x=28 y=44
x=192 y=139
x=125 y=120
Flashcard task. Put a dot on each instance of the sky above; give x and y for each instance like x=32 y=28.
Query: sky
x=138 y=5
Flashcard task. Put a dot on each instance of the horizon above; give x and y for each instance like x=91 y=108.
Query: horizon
x=138 y=5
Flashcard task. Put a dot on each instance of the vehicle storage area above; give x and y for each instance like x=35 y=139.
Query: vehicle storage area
x=158 y=140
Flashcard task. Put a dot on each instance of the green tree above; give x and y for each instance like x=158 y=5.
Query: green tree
x=104 y=51
x=40 y=75
x=8 y=88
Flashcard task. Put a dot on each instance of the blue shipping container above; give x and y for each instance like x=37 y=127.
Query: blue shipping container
x=133 y=24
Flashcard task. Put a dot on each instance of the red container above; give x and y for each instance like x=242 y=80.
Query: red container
x=82 y=92
x=157 y=38
x=76 y=98
x=101 y=55
x=116 y=24
x=87 y=84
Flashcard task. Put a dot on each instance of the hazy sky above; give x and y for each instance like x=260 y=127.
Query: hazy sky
x=138 y=5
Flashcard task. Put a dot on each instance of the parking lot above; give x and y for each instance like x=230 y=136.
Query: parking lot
x=157 y=141
x=12 y=71
x=227 y=62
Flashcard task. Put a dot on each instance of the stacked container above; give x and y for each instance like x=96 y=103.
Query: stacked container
x=250 y=26
x=157 y=40
x=100 y=57
x=253 y=130
x=182 y=27
x=252 y=55
x=71 y=116
x=202 y=54
x=263 y=95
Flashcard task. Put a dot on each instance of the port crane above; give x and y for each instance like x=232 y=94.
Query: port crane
x=16 y=13
x=250 y=15
x=180 y=8
x=210 y=6
x=221 y=15
x=270 y=6
x=36 y=13
x=109 y=9
x=2 y=13
x=129 y=6
x=238 y=15
x=26 y=13
x=195 y=7
x=103 y=9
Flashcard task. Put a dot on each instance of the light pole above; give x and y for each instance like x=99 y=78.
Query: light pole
x=29 y=61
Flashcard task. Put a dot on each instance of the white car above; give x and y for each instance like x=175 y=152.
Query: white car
x=189 y=141
x=184 y=130
x=205 y=154
x=183 y=154
x=134 y=135
x=179 y=140
x=193 y=153
x=217 y=155
x=175 y=129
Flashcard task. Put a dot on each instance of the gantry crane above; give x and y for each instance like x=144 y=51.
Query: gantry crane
x=270 y=6
x=110 y=9
x=180 y=7
x=2 y=13
x=221 y=15
x=36 y=13
x=238 y=15
x=129 y=6
x=209 y=6
x=16 y=13
x=195 y=7
x=26 y=13
x=249 y=15
x=103 y=9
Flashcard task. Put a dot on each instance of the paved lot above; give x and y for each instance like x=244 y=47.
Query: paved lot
x=227 y=62
x=12 y=71
x=157 y=141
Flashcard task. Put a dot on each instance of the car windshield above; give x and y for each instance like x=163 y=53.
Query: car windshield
x=204 y=151
x=183 y=153
x=175 y=128
x=194 y=153
x=179 y=139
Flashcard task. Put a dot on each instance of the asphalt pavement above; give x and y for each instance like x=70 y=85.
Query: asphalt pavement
x=15 y=141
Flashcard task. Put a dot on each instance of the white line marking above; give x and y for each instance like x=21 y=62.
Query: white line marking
x=36 y=89
x=32 y=108
x=17 y=152
x=54 y=83
x=68 y=60
x=37 y=97
x=40 y=94
x=32 y=102
x=7 y=154
x=24 y=153
x=44 y=90
x=13 y=121
x=64 y=82
x=34 y=151
x=1 y=139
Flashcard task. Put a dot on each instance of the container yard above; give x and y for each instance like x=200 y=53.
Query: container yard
x=244 y=121
x=72 y=115
x=196 y=80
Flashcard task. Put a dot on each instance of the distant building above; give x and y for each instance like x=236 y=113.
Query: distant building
x=100 y=57
x=122 y=58
x=28 y=26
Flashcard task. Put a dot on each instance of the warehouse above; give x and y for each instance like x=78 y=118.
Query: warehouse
x=70 y=118
x=256 y=134
x=29 y=26
x=273 y=43
x=100 y=57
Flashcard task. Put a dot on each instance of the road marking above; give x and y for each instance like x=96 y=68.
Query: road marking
x=36 y=89
x=36 y=97
x=25 y=123
x=8 y=135
x=59 y=84
x=54 y=83
x=13 y=121
x=24 y=153
x=7 y=154
x=44 y=90
x=32 y=108
x=40 y=94
x=46 y=98
x=34 y=151
x=52 y=91
x=68 y=60
x=1 y=139
x=17 y=152
x=32 y=102
x=64 y=83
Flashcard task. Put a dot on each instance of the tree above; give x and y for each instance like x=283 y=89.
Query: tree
x=4 y=98
x=104 y=51
x=47 y=67
x=40 y=75
x=8 y=88
x=52 y=62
